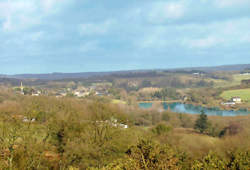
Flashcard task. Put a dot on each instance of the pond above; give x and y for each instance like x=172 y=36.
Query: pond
x=192 y=109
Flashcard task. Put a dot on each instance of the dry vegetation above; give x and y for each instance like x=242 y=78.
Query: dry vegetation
x=78 y=133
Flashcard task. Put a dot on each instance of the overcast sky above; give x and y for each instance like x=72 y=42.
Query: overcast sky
x=42 y=36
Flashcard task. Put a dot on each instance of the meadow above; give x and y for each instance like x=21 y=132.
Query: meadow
x=244 y=94
x=236 y=80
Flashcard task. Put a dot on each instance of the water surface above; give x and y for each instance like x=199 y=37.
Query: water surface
x=145 y=105
x=192 y=109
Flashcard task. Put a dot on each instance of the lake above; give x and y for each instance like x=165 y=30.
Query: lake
x=192 y=109
x=145 y=105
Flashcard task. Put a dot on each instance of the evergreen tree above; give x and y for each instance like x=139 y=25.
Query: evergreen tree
x=201 y=123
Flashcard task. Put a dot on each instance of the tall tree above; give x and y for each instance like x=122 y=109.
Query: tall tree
x=201 y=123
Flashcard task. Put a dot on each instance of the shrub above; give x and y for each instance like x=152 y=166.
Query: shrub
x=161 y=129
x=209 y=162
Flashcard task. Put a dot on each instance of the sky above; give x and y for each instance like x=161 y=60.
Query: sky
x=44 y=36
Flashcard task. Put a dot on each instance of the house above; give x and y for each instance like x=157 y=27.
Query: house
x=36 y=93
x=245 y=74
x=99 y=93
x=123 y=126
x=60 y=94
x=228 y=103
x=185 y=98
x=81 y=93
x=25 y=119
x=113 y=122
x=236 y=99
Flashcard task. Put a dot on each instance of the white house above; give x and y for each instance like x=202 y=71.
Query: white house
x=81 y=93
x=25 y=119
x=236 y=99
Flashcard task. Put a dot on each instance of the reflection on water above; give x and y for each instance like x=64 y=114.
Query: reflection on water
x=145 y=105
x=192 y=109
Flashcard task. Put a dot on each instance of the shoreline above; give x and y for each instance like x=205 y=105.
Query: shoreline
x=197 y=104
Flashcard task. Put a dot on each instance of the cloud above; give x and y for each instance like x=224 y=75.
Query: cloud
x=165 y=11
x=14 y=14
x=98 y=28
x=231 y=3
x=221 y=34
x=48 y=4
x=207 y=42
x=37 y=36
x=155 y=38
x=7 y=25
x=22 y=14
x=89 y=46
x=150 y=33
x=173 y=10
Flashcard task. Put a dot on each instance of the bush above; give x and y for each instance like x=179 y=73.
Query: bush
x=209 y=162
x=239 y=160
x=161 y=129
x=152 y=156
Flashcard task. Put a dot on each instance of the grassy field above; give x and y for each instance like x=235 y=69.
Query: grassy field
x=237 y=78
x=195 y=144
x=116 y=101
x=243 y=93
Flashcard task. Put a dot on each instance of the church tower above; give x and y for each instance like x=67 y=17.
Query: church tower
x=21 y=87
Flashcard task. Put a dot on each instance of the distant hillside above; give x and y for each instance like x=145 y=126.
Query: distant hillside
x=238 y=67
x=58 y=76
x=9 y=81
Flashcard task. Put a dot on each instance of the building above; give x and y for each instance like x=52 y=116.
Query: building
x=236 y=99
x=228 y=103
x=245 y=74
x=36 y=93
x=81 y=93
x=25 y=119
x=22 y=88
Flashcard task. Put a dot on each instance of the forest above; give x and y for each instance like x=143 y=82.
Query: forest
x=67 y=133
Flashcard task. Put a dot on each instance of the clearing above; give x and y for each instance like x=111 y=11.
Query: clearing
x=244 y=94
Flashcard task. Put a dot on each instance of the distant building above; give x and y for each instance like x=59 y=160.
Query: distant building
x=236 y=99
x=60 y=94
x=63 y=94
x=245 y=74
x=99 y=93
x=228 y=103
x=123 y=126
x=113 y=122
x=25 y=119
x=185 y=98
x=81 y=93
x=21 y=88
x=36 y=93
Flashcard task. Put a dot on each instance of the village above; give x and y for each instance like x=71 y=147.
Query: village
x=93 y=90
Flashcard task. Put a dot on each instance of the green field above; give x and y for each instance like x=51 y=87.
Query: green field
x=243 y=93
x=237 y=78
x=116 y=101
